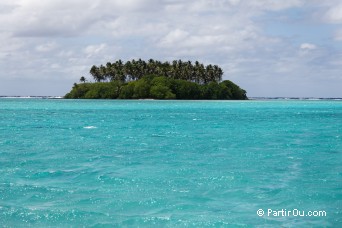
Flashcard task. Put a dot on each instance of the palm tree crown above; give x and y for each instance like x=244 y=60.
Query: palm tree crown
x=136 y=69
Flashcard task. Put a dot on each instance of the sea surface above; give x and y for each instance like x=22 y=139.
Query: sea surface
x=146 y=163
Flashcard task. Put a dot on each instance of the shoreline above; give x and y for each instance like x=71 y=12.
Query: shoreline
x=150 y=99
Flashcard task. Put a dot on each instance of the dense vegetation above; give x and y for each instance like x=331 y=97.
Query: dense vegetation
x=135 y=70
x=157 y=80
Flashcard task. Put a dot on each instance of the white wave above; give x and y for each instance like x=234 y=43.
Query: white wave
x=89 y=127
x=33 y=97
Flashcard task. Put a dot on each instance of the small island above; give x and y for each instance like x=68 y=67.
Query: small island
x=138 y=79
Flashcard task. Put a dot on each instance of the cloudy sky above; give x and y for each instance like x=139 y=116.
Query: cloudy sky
x=268 y=47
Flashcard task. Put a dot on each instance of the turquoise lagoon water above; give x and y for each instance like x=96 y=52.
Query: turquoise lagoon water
x=170 y=163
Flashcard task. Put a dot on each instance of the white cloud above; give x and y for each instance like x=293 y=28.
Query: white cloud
x=46 y=47
x=308 y=46
x=64 y=38
x=338 y=35
x=275 y=5
x=173 y=37
x=12 y=46
x=334 y=14
x=7 y=7
x=92 y=50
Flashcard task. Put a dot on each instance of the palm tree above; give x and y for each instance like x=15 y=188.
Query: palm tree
x=120 y=71
x=127 y=68
x=209 y=74
x=95 y=72
x=177 y=69
x=83 y=79
x=218 y=72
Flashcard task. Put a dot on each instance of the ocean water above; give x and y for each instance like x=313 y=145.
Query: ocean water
x=72 y=163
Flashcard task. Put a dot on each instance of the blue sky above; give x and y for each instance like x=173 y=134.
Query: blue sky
x=269 y=47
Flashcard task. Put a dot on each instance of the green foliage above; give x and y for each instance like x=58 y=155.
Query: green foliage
x=212 y=91
x=186 y=90
x=127 y=91
x=216 y=91
x=78 y=91
x=161 y=92
x=157 y=87
x=137 y=69
x=161 y=81
x=142 y=89
x=83 y=79
x=225 y=92
x=160 y=88
x=236 y=91
x=137 y=79
x=99 y=90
